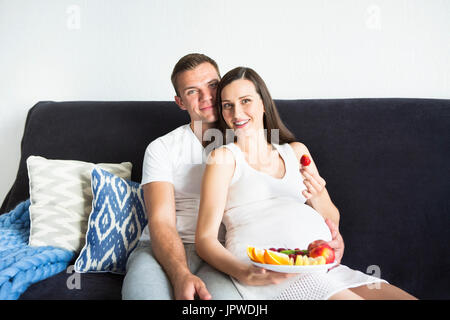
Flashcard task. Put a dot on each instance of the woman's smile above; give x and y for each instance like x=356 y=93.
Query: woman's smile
x=240 y=123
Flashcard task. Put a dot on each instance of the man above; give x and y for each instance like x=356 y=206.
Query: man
x=172 y=172
x=169 y=267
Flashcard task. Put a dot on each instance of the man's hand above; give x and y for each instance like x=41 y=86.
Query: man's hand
x=337 y=243
x=189 y=286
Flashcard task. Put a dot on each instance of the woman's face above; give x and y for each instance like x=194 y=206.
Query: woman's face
x=242 y=107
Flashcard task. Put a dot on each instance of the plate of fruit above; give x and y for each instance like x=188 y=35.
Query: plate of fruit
x=318 y=257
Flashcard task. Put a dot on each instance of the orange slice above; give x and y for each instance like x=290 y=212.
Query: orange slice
x=250 y=253
x=258 y=255
x=273 y=257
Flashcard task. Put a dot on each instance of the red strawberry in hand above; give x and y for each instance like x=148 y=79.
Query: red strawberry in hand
x=305 y=160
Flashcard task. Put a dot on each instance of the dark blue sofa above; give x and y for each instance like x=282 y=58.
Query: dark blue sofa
x=386 y=163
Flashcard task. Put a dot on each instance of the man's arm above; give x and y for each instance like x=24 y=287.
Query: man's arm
x=166 y=242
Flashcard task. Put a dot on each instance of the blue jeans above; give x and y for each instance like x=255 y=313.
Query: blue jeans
x=146 y=280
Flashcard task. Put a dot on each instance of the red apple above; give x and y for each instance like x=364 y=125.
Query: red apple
x=316 y=243
x=323 y=250
x=305 y=160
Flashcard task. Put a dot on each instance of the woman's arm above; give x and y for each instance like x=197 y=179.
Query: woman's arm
x=319 y=199
x=216 y=180
x=316 y=193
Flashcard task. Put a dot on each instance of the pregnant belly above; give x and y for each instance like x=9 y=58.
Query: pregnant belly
x=276 y=223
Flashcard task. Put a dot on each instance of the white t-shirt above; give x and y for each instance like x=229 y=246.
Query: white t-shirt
x=179 y=158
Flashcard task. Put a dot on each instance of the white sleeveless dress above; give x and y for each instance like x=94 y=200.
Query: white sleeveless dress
x=266 y=212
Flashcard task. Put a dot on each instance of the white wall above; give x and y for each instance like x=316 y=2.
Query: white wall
x=125 y=50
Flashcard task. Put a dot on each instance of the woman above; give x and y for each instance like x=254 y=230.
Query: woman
x=255 y=186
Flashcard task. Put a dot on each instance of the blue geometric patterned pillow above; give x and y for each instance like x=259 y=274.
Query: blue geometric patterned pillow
x=115 y=223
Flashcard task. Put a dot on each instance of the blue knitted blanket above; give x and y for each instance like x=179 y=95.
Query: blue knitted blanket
x=20 y=264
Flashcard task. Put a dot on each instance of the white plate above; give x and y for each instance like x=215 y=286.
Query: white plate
x=295 y=269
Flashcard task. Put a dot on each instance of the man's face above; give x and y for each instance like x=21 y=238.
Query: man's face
x=197 y=89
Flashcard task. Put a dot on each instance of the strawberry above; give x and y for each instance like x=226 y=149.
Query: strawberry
x=305 y=160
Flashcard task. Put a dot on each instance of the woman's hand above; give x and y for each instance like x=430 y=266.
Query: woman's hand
x=315 y=184
x=256 y=276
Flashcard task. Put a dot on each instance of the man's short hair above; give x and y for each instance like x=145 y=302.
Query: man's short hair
x=190 y=62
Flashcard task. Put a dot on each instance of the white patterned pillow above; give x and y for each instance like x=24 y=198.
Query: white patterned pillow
x=115 y=225
x=61 y=200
